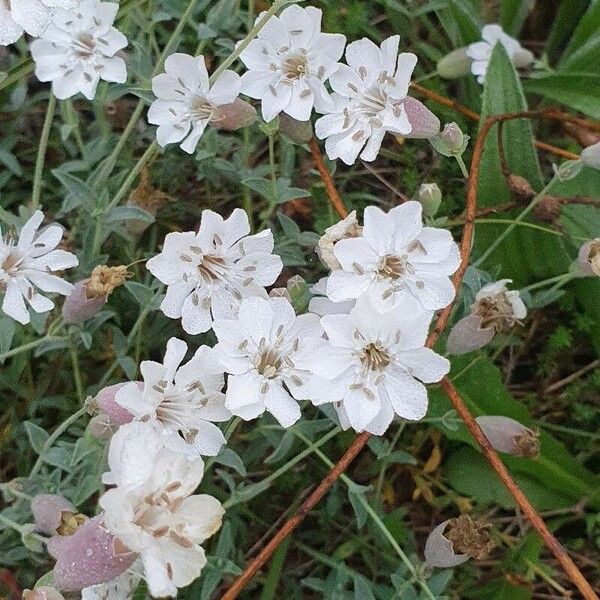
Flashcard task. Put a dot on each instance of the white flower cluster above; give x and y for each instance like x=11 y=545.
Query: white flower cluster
x=289 y=64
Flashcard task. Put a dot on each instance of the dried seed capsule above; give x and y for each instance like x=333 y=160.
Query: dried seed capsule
x=509 y=436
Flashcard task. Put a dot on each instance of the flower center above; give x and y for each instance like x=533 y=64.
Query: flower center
x=12 y=262
x=375 y=357
x=159 y=507
x=296 y=66
x=268 y=362
x=200 y=108
x=84 y=46
x=177 y=408
x=393 y=267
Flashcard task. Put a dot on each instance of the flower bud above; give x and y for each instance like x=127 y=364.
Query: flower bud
x=280 y=292
x=346 y=228
x=509 y=436
x=43 y=592
x=51 y=512
x=439 y=550
x=430 y=197
x=451 y=141
x=90 y=556
x=523 y=58
x=425 y=124
x=105 y=400
x=548 y=209
x=590 y=156
x=298 y=292
x=78 y=308
x=299 y=132
x=454 y=65
x=236 y=115
x=589 y=257
x=520 y=186
x=468 y=335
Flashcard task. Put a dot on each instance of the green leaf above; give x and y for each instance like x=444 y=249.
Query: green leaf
x=356 y=497
x=129 y=213
x=79 y=193
x=36 y=435
x=583 y=51
x=276 y=193
x=481 y=387
x=514 y=257
x=142 y=293
x=229 y=458
x=579 y=91
x=513 y=14
x=9 y=160
x=468 y=473
x=362 y=589
x=461 y=19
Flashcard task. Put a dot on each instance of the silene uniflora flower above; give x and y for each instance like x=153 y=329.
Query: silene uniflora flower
x=260 y=350
x=481 y=52
x=375 y=365
x=29 y=16
x=183 y=401
x=26 y=266
x=186 y=101
x=368 y=100
x=589 y=257
x=152 y=510
x=209 y=272
x=79 y=48
x=495 y=310
x=289 y=63
x=396 y=261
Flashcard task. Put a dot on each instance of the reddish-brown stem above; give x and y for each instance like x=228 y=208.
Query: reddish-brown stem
x=467 y=112
x=238 y=585
x=523 y=503
x=361 y=440
x=334 y=197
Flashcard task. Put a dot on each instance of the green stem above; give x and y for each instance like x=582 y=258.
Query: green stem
x=131 y=337
x=30 y=346
x=384 y=466
x=560 y=280
x=536 y=199
x=41 y=155
x=377 y=520
x=312 y=447
x=55 y=435
x=76 y=373
x=463 y=167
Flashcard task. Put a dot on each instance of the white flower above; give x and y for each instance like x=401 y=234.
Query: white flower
x=259 y=350
x=120 y=588
x=151 y=509
x=28 y=263
x=78 y=49
x=289 y=62
x=209 y=272
x=376 y=364
x=182 y=399
x=369 y=100
x=187 y=102
x=481 y=52
x=320 y=305
x=31 y=16
x=397 y=262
